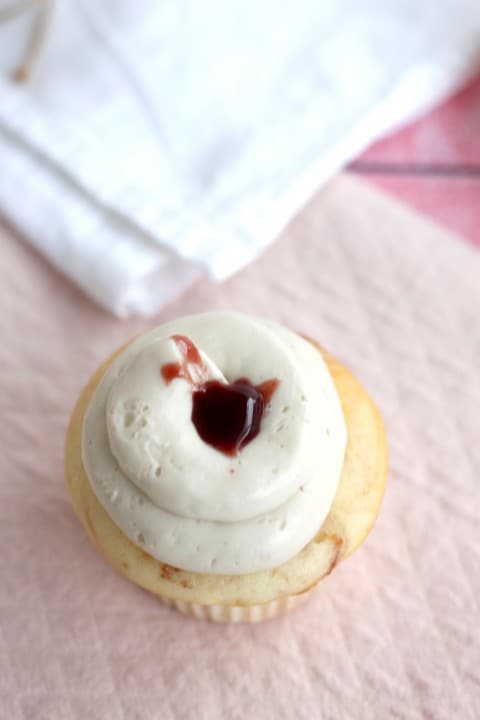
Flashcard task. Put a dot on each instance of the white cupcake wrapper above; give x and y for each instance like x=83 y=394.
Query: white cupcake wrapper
x=239 y=613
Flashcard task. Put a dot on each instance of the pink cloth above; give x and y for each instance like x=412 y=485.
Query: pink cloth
x=394 y=632
x=433 y=163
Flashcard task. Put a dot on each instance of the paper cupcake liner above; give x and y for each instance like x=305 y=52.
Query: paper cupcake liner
x=239 y=613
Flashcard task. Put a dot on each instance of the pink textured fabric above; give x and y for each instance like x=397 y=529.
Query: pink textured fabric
x=434 y=164
x=445 y=138
x=453 y=202
x=394 y=631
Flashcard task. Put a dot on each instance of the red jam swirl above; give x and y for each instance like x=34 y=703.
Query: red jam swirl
x=190 y=363
x=226 y=416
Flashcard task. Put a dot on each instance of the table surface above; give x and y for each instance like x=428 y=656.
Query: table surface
x=434 y=164
x=394 y=632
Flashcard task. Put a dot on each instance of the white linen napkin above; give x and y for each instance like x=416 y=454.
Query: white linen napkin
x=159 y=141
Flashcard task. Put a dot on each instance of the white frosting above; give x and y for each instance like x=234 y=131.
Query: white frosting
x=180 y=499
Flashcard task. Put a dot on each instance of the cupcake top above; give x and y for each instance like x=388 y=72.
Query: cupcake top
x=215 y=442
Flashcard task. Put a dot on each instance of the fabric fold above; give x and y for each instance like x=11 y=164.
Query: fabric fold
x=156 y=142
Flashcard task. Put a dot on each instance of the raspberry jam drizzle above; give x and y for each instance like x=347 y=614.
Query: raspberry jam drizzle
x=226 y=416
x=191 y=367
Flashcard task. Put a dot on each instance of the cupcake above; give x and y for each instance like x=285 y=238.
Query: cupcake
x=226 y=464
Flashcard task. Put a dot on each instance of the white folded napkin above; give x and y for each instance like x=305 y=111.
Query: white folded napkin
x=162 y=140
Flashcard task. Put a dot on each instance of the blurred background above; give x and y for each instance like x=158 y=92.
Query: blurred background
x=144 y=145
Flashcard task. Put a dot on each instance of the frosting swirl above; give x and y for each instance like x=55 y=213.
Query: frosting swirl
x=182 y=500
